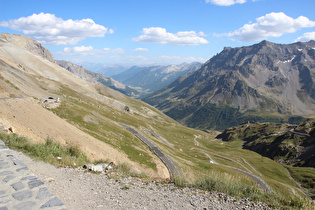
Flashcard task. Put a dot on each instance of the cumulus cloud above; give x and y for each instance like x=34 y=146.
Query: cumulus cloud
x=270 y=25
x=160 y=36
x=49 y=29
x=77 y=49
x=306 y=37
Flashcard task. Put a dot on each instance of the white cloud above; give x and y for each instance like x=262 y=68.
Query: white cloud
x=160 y=36
x=49 y=29
x=306 y=37
x=83 y=50
x=112 y=51
x=225 y=2
x=141 y=50
x=270 y=25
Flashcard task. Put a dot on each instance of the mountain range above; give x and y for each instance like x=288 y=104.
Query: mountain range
x=152 y=78
x=262 y=82
x=136 y=81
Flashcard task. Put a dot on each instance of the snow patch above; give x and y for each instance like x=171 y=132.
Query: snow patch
x=287 y=61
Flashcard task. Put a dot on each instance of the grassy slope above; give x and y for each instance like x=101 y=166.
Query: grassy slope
x=100 y=121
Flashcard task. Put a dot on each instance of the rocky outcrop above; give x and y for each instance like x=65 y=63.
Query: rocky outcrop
x=28 y=44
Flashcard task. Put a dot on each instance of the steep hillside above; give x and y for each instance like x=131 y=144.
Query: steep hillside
x=290 y=144
x=152 y=78
x=40 y=99
x=98 y=77
x=262 y=82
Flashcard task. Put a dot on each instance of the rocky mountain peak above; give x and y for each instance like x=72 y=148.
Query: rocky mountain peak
x=28 y=44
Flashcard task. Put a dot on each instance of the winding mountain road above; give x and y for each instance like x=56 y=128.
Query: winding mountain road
x=258 y=180
x=170 y=165
x=173 y=169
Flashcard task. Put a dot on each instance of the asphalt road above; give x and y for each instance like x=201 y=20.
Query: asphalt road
x=170 y=165
x=258 y=180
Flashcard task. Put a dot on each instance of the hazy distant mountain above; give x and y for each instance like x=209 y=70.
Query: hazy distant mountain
x=262 y=82
x=97 y=77
x=152 y=78
x=106 y=70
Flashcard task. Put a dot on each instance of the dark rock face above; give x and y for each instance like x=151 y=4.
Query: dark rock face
x=262 y=78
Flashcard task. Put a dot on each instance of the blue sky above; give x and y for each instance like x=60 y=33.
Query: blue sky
x=155 y=32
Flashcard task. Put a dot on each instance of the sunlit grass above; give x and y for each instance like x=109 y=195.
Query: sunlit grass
x=51 y=151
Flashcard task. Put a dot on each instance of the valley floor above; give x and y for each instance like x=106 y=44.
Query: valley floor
x=82 y=190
